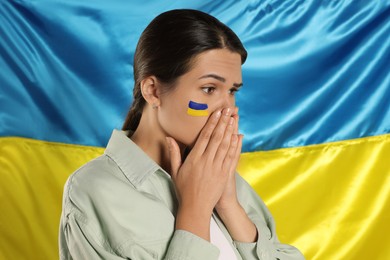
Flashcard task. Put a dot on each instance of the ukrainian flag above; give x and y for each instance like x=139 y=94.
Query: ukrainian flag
x=315 y=113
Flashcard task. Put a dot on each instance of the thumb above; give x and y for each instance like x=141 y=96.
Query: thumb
x=174 y=153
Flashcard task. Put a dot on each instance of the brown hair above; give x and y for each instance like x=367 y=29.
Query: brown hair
x=168 y=46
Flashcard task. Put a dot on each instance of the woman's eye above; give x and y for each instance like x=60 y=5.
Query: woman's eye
x=208 y=90
x=233 y=91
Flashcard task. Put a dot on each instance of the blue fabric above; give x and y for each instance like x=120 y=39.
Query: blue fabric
x=317 y=71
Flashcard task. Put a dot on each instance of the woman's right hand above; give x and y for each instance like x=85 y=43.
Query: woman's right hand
x=201 y=179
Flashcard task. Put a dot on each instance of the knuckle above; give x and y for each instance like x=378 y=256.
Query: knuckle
x=225 y=168
x=232 y=151
x=211 y=124
x=233 y=148
x=233 y=141
x=230 y=156
x=224 y=146
x=217 y=135
x=206 y=135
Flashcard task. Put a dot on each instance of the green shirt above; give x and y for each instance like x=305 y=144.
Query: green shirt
x=122 y=205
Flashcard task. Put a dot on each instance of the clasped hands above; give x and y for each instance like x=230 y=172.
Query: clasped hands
x=206 y=179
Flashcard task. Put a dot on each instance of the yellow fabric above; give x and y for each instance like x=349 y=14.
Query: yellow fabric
x=32 y=176
x=330 y=200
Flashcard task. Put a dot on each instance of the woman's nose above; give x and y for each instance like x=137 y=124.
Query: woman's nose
x=225 y=101
x=228 y=101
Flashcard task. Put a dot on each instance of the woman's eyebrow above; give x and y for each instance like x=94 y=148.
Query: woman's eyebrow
x=222 y=79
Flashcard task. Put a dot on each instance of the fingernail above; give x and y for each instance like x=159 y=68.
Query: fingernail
x=218 y=114
x=227 y=111
x=236 y=110
x=231 y=121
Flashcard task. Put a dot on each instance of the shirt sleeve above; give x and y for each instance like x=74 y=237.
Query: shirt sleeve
x=187 y=246
x=78 y=241
x=267 y=246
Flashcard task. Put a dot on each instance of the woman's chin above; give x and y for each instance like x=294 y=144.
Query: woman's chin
x=188 y=143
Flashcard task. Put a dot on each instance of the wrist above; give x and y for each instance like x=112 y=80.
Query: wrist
x=239 y=225
x=228 y=207
x=196 y=221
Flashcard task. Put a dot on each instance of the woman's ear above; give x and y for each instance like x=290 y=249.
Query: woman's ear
x=150 y=91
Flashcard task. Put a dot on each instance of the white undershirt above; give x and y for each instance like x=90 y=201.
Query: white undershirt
x=218 y=239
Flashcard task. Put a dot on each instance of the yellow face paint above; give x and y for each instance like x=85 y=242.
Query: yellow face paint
x=197 y=109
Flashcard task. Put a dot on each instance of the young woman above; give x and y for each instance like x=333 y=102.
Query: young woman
x=166 y=186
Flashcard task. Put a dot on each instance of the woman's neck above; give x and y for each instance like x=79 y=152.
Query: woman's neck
x=151 y=139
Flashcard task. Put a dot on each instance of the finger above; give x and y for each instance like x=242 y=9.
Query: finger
x=235 y=112
x=219 y=133
x=206 y=133
x=237 y=154
x=230 y=155
x=175 y=156
x=236 y=118
x=224 y=146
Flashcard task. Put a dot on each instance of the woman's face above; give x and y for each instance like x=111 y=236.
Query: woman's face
x=213 y=80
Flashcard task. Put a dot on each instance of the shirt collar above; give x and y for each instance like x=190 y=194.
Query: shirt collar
x=135 y=164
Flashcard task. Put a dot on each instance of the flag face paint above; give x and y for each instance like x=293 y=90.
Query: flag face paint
x=197 y=109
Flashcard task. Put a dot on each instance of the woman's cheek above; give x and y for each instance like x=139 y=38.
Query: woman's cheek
x=181 y=126
x=183 y=123
x=189 y=131
x=196 y=117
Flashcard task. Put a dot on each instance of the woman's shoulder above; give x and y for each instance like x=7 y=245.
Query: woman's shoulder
x=94 y=181
x=100 y=169
x=99 y=196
